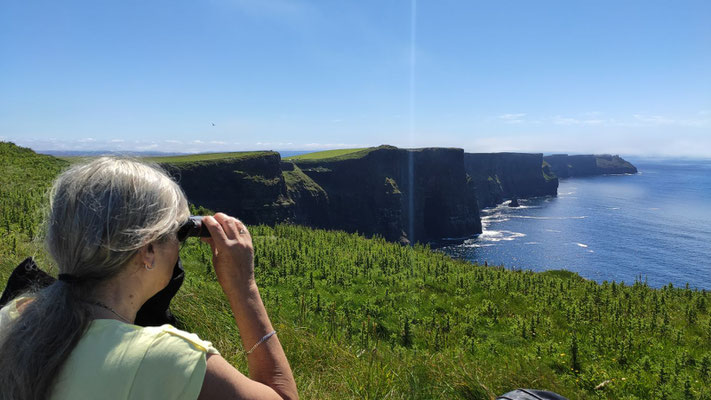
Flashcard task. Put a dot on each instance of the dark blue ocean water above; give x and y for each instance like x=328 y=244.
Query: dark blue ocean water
x=656 y=224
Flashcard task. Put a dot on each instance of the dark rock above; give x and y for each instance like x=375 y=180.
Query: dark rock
x=310 y=200
x=252 y=188
x=514 y=203
x=504 y=175
x=565 y=166
x=405 y=195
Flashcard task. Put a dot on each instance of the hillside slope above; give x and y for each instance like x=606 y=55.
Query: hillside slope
x=24 y=183
x=364 y=318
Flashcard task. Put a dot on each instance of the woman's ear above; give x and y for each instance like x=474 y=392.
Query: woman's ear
x=147 y=256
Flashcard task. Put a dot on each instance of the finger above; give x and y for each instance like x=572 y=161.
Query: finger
x=231 y=226
x=216 y=231
x=242 y=228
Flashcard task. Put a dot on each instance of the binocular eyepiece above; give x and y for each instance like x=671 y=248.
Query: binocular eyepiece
x=193 y=227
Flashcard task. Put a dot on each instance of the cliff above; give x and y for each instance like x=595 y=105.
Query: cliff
x=565 y=166
x=499 y=176
x=405 y=195
x=310 y=200
x=248 y=185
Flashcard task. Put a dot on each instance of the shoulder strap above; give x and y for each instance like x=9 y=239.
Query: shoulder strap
x=26 y=276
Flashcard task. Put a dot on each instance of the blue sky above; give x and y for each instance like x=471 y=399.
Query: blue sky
x=628 y=77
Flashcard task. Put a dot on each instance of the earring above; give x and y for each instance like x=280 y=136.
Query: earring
x=153 y=264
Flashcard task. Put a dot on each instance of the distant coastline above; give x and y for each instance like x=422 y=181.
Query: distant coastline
x=403 y=195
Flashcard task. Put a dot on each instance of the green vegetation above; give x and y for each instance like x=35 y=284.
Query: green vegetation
x=611 y=162
x=296 y=179
x=203 y=157
x=187 y=158
x=332 y=155
x=391 y=186
x=24 y=183
x=364 y=318
x=547 y=171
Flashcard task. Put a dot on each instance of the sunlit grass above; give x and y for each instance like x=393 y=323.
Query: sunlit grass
x=337 y=154
x=191 y=158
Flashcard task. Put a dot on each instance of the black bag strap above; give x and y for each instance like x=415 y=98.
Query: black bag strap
x=28 y=277
x=530 y=394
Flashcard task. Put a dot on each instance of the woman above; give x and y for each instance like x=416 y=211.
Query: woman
x=112 y=231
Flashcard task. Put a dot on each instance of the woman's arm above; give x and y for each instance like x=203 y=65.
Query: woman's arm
x=233 y=260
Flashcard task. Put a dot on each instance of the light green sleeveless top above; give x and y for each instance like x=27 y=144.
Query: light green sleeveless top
x=115 y=360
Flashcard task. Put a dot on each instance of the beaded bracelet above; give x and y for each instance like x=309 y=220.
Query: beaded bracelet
x=262 y=340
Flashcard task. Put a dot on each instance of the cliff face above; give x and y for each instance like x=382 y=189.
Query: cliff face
x=497 y=176
x=404 y=195
x=251 y=187
x=565 y=166
x=310 y=200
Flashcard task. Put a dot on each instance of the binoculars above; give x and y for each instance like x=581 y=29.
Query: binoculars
x=192 y=227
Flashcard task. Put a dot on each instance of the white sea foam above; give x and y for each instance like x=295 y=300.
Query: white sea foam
x=548 y=218
x=552 y=230
x=521 y=205
x=582 y=245
x=495 y=218
x=614 y=208
x=477 y=245
x=497 y=236
x=532 y=243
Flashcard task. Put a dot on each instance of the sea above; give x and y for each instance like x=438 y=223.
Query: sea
x=654 y=227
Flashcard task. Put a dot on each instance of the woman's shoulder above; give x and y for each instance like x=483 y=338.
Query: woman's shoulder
x=174 y=357
x=171 y=334
x=136 y=358
x=164 y=336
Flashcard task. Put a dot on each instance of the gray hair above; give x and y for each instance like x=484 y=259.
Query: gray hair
x=101 y=213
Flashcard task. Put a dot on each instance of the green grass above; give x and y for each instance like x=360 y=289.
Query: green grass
x=364 y=318
x=611 y=162
x=24 y=183
x=193 y=158
x=296 y=179
x=331 y=155
x=547 y=171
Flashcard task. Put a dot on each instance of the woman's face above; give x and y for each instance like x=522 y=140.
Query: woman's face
x=166 y=255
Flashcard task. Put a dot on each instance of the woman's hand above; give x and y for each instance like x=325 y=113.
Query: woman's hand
x=271 y=377
x=232 y=252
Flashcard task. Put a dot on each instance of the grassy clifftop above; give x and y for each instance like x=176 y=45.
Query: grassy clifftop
x=331 y=155
x=208 y=157
x=363 y=318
